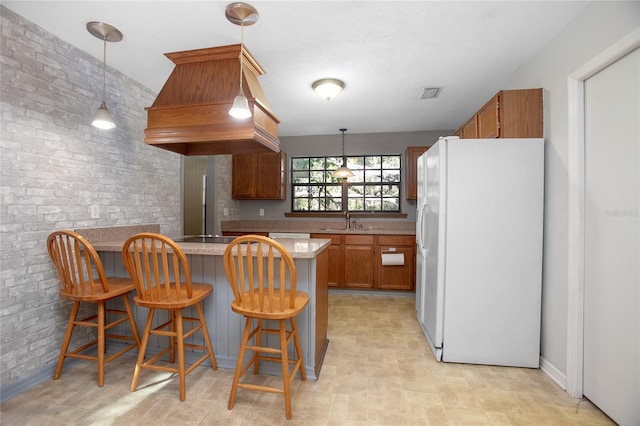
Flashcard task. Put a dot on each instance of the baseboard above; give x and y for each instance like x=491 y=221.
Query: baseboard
x=552 y=371
x=31 y=380
x=373 y=292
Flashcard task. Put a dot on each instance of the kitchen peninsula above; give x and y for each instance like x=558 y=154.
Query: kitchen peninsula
x=206 y=260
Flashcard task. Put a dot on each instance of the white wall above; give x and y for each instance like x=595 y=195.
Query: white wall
x=601 y=24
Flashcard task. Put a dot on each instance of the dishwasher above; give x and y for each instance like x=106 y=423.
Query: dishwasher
x=278 y=235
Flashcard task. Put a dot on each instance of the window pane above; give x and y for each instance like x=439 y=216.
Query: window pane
x=300 y=177
x=373 y=191
x=334 y=191
x=372 y=205
x=316 y=177
x=358 y=176
x=301 y=204
x=300 y=163
x=372 y=162
x=356 y=191
x=300 y=191
x=391 y=162
x=334 y=162
x=391 y=175
x=356 y=204
x=390 y=190
x=373 y=176
x=317 y=163
x=355 y=163
x=334 y=205
x=391 y=204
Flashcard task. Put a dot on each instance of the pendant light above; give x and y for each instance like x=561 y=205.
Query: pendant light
x=241 y=14
x=342 y=172
x=104 y=32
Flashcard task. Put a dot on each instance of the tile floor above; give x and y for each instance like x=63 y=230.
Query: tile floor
x=378 y=371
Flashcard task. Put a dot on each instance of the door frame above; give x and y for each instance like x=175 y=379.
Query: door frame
x=576 y=226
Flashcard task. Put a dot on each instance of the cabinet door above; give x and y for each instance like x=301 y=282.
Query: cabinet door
x=411 y=170
x=396 y=277
x=489 y=119
x=470 y=128
x=521 y=113
x=336 y=259
x=271 y=175
x=359 y=256
x=259 y=176
x=243 y=183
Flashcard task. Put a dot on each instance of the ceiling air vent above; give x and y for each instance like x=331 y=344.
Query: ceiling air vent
x=429 y=92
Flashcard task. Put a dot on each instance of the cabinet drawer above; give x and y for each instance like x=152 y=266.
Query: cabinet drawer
x=396 y=240
x=358 y=239
x=335 y=238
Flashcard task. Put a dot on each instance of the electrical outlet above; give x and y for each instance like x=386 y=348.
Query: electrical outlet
x=225 y=211
x=261 y=212
x=95 y=211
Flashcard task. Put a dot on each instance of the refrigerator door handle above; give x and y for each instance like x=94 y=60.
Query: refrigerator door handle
x=423 y=230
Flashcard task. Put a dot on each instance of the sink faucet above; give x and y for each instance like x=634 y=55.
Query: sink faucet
x=347 y=225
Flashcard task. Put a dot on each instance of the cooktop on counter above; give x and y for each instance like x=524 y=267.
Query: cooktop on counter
x=214 y=239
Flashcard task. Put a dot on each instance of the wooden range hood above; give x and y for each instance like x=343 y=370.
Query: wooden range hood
x=190 y=116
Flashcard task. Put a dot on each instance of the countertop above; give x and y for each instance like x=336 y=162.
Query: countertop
x=366 y=227
x=299 y=248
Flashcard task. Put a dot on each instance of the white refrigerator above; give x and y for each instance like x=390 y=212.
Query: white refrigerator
x=479 y=242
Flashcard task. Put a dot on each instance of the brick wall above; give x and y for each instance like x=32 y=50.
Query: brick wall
x=53 y=166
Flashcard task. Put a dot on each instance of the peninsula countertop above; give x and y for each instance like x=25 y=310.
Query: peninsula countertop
x=299 y=248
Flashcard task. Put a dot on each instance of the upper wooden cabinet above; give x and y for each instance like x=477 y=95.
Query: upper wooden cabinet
x=411 y=170
x=509 y=114
x=469 y=129
x=259 y=176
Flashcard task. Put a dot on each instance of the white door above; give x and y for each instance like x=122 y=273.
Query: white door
x=611 y=374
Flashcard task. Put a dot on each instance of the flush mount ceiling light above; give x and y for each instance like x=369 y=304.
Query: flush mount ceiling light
x=328 y=88
x=342 y=172
x=241 y=14
x=104 y=32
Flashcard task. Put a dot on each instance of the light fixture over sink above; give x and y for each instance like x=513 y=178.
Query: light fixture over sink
x=328 y=88
x=105 y=32
x=342 y=172
x=241 y=14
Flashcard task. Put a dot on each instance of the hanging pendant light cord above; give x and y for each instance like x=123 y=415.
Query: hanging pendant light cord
x=343 y=159
x=104 y=69
x=240 y=57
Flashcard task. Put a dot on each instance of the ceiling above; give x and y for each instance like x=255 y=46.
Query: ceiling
x=384 y=51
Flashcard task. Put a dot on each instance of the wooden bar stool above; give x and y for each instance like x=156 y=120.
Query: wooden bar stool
x=162 y=276
x=83 y=280
x=259 y=269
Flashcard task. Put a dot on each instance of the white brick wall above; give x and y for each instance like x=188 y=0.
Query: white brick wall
x=53 y=166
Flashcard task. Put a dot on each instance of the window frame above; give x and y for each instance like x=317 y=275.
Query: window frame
x=358 y=163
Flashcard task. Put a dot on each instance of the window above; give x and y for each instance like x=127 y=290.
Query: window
x=375 y=186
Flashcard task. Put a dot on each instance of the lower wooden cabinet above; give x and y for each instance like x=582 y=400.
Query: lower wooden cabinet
x=355 y=261
x=396 y=277
x=359 y=257
x=336 y=255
